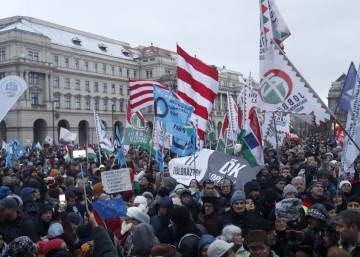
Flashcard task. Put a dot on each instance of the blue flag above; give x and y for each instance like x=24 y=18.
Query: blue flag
x=108 y=209
x=119 y=147
x=346 y=93
x=184 y=148
x=179 y=131
x=8 y=161
x=168 y=109
x=159 y=157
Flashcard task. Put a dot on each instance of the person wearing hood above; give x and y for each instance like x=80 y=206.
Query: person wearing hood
x=236 y=214
x=161 y=221
x=43 y=221
x=209 y=212
x=203 y=246
x=143 y=240
x=28 y=196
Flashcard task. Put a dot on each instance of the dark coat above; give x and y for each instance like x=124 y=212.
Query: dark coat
x=104 y=247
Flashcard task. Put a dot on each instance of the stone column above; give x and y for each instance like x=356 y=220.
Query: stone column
x=51 y=90
x=46 y=94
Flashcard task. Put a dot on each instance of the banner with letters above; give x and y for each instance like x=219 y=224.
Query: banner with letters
x=209 y=164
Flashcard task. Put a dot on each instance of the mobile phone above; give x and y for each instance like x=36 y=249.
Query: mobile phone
x=62 y=198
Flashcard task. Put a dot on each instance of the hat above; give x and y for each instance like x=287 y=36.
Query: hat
x=8 y=203
x=353 y=198
x=137 y=214
x=185 y=191
x=210 y=197
x=313 y=183
x=163 y=250
x=318 y=211
x=4 y=191
x=237 y=196
x=74 y=218
x=207 y=181
x=98 y=188
x=343 y=183
x=21 y=246
x=179 y=187
x=256 y=237
x=251 y=186
x=45 y=247
x=169 y=183
x=165 y=201
x=206 y=239
x=289 y=189
x=288 y=209
x=17 y=199
x=279 y=179
x=148 y=195
x=218 y=248
x=142 y=203
x=55 y=230
x=54 y=173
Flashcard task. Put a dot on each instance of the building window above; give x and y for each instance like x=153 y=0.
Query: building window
x=95 y=67
x=96 y=87
x=34 y=78
x=121 y=106
x=67 y=102
x=121 y=90
x=113 y=89
x=2 y=54
x=33 y=55
x=128 y=91
x=56 y=82
x=105 y=103
x=167 y=71
x=87 y=103
x=67 y=63
x=76 y=64
x=113 y=106
x=34 y=98
x=77 y=84
x=87 y=86
x=105 y=88
x=149 y=74
x=78 y=102
x=56 y=60
x=127 y=73
x=57 y=101
x=2 y=75
x=104 y=68
x=135 y=73
x=112 y=70
x=96 y=104
x=120 y=71
x=67 y=83
x=152 y=59
x=86 y=65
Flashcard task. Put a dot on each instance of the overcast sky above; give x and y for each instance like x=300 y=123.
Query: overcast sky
x=325 y=33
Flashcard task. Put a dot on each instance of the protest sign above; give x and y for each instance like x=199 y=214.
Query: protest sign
x=137 y=136
x=116 y=181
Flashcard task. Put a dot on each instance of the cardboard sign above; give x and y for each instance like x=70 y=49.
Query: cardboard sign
x=116 y=181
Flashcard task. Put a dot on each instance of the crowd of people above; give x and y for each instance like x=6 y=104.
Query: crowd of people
x=297 y=206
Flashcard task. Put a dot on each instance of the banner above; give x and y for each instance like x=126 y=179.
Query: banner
x=104 y=139
x=160 y=137
x=66 y=135
x=11 y=88
x=350 y=151
x=168 y=109
x=212 y=165
x=137 y=136
x=184 y=147
x=116 y=181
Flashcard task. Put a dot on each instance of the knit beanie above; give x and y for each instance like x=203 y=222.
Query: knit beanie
x=55 y=230
x=4 y=191
x=54 y=172
x=318 y=211
x=98 y=188
x=237 y=196
x=343 y=183
x=138 y=214
x=45 y=247
x=289 y=189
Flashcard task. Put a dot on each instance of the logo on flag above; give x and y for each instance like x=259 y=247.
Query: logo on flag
x=276 y=87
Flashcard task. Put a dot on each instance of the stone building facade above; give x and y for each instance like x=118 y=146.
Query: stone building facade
x=70 y=72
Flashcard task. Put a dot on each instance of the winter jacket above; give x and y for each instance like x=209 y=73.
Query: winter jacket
x=103 y=246
x=229 y=218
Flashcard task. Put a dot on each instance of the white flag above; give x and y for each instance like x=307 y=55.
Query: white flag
x=48 y=140
x=161 y=138
x=66 y=135
x=350 y=151
x=233 y=118
x=104 y=140
x=11 y=88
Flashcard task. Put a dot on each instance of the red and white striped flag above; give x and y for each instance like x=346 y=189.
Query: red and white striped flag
x=198 y=85
x=142 y=93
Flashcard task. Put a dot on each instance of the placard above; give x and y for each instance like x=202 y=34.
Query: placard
x=116 y=181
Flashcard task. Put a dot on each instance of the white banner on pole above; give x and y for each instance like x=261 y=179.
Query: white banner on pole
x=116 y=181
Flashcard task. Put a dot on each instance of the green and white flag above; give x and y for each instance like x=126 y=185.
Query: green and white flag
x=103 y=138
x=67 y=156
x=91 y=155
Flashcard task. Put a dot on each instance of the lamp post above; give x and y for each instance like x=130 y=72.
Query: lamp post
x=112 y=118
x=53 y=117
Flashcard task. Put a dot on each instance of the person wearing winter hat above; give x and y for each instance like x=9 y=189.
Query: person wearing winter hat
x=22 y=247
x=98 y=189
x=141 y=202
x=161 y=221
x=252 y=190
x=353 y=203
x=236 y=214
x=203 y=246
x=288 y=209
x=345 y=187
x=209 y=212
x=258 y=244
x=289 y=191
x=143 y=239
x=315 y=194
x=220 y=248
x=4 y=191
x=136 y=216
x=163 y=250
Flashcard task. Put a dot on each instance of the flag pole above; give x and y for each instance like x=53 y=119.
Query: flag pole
x=97 y=135
x=276 y=140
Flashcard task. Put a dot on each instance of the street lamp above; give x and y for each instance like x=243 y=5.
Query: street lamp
x=112 y=118
x=53 y=117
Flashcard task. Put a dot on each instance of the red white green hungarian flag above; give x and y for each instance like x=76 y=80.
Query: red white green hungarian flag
x=67 y=156
x=282 y=87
